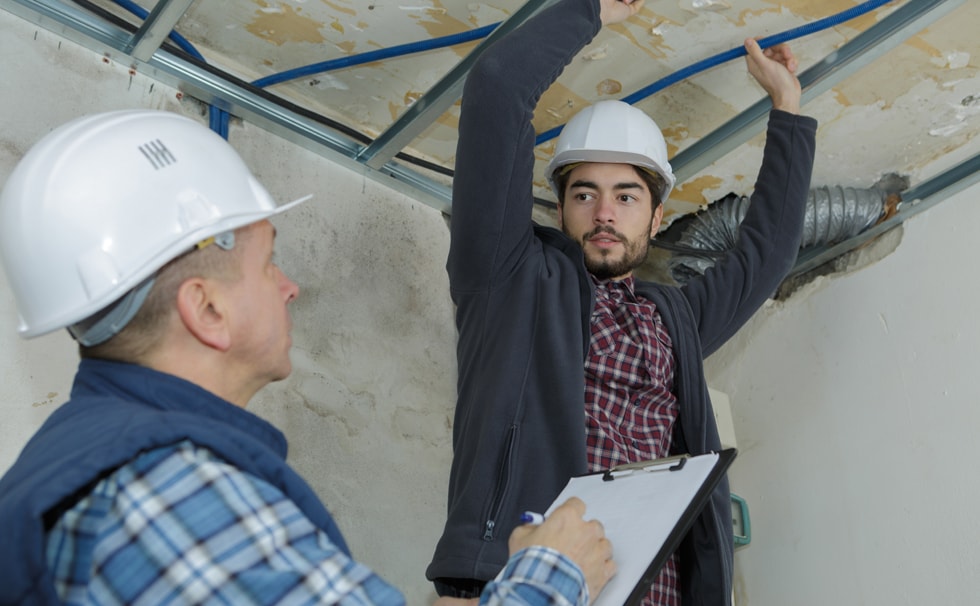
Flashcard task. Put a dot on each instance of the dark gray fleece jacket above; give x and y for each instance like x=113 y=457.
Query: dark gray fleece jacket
x=524 y=302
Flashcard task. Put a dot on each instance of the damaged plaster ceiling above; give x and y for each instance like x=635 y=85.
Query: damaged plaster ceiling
x=896 y=89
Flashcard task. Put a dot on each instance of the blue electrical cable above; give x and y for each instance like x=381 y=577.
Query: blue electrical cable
x=219 y=118
x=378 y=55
x=767 y=42
x=179 y=40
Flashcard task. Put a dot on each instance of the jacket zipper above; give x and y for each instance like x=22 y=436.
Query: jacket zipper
x=500 y=489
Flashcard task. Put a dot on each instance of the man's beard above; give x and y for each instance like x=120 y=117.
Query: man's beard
x=601 y=264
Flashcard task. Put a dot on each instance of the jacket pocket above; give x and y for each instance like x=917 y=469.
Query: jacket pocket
x=504 y=470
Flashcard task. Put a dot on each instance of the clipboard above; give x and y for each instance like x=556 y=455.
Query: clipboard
x=646 y=508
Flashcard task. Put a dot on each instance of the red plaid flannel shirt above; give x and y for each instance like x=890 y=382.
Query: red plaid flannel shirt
x=629 y=405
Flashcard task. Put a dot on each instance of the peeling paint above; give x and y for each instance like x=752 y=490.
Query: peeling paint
x=695 y=6
x=920 y=43
x=673 y=134
x=284 y=25
x=693 y=191
x=596 y=54
x=556 y=106
x=957 y=59
x=745 y=15
x=411 y=97
x=336 y=6
x=820 y=9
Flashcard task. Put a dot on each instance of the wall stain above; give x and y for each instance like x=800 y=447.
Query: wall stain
x=654 y=46
x=609 y=87
x=818 y=9
x=556 y=106
x=51 y=395
x=284 y=24
x=342 y=9
x=437 y=22
x=674 y=133
x=920 y=43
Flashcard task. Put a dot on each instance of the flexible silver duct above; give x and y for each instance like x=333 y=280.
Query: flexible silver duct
x=833 y=214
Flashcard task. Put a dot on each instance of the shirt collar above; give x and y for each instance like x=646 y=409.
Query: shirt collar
x=626 y=286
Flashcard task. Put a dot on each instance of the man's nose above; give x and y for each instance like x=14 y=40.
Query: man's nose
x=605 y=210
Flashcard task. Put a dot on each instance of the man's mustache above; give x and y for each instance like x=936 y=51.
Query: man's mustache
x=604 y=229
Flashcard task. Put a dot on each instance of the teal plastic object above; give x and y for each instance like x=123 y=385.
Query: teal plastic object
x=740 y=521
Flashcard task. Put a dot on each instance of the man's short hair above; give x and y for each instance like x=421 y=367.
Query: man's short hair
x=144 y=331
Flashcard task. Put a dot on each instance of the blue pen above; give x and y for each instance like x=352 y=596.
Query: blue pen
x=530 y=517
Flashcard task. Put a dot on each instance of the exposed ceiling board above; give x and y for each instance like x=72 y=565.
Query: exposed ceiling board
x=912 y=111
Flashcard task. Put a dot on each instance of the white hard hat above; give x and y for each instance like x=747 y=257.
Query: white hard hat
x=101 y=203
x=615 y=132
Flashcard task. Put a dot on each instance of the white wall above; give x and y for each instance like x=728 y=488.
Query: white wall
x=855 y=405
x=854 y=401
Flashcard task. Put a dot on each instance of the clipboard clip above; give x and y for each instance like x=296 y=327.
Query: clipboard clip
x=675 y=463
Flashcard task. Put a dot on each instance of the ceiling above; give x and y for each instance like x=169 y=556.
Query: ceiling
x=374 y=84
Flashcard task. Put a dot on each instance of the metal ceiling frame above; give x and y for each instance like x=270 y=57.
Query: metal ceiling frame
x=144 y=51
x=868 y=46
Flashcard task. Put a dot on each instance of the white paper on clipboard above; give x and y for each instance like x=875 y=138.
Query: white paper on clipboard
x=645 y=509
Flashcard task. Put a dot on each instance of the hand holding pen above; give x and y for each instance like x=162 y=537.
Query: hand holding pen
x=566 y=530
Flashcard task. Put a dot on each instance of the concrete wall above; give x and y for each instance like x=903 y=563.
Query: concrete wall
x=853 y=400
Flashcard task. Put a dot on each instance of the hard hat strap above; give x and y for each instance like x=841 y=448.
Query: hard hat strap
x=106 y=323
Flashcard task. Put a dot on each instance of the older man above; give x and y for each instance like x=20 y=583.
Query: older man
x=144 y=234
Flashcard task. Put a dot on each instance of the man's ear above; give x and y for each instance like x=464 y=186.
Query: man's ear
x=559 y=207
x=201 y=313
x=658 y=216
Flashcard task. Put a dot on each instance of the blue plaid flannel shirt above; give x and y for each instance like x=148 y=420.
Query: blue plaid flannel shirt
x=177 y=525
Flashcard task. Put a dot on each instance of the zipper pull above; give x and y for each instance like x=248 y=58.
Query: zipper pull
x=488 y=535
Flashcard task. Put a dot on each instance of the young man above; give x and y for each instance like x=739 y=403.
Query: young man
x=567 y=363
x=146 y=236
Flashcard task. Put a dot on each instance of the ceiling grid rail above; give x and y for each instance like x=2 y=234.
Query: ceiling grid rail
x=894 y=29
x=441 y=96
x=161 y=21
x=145 y=51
